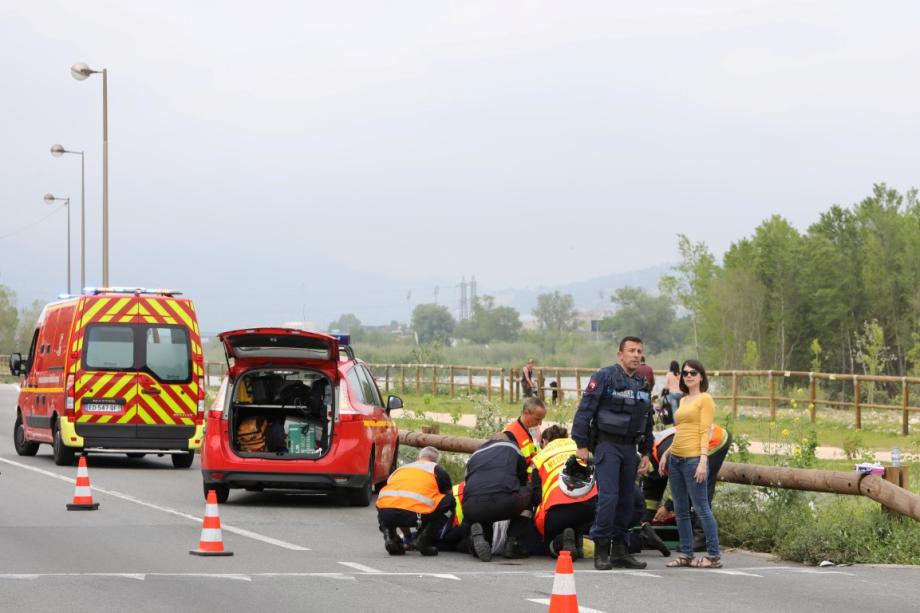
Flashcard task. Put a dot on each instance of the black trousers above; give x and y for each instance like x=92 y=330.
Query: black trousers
x=491 y=508
x=578 y=515
x=400 y=518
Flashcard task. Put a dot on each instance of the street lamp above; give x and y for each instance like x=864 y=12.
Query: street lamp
x=80 y=72
x=50 y=199
x=57 y=151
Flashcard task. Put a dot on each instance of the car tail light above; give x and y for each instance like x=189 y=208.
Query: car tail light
x=69 y=397
x=350 y=417
x=199 y=418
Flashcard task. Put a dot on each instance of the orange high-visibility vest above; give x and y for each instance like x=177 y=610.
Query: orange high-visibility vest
x=549 y=462
x=412 y=487
x=523 y=439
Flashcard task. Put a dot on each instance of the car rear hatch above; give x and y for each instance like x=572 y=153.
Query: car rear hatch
x=259 y=347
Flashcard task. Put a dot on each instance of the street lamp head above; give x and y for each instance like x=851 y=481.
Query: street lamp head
x=80 y=71
x=57 y=151
x=49 y=198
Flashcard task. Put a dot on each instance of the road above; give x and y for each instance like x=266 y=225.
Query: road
x=312 y=553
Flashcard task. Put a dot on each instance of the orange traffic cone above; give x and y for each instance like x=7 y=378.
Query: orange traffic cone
x=563 y=599
x=82 y=492
x=211 y=543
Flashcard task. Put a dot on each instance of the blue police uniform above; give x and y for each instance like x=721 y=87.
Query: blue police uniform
x=619 y=407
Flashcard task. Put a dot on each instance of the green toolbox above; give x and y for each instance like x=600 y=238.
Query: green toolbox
x=301 y=438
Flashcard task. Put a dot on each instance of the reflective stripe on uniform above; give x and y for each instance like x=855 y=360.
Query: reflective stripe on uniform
x=405 y=494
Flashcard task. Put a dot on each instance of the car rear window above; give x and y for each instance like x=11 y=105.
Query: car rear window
x=279 y=346
x=109 y=347
x=167 y=353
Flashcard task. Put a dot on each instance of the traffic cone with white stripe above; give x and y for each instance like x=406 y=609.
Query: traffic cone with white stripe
x=82 y=492
x=563 y=599
x=211 y=543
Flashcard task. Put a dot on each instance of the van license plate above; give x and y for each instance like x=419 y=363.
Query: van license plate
x=104 y=405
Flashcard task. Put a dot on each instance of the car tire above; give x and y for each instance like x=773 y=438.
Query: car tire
x=221 y=491
x=23 y=447
x=183 y=460
x=135 y=456
x=361 y=496
x=63 y=455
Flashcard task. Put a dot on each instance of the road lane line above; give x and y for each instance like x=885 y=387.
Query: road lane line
x=739 y=573
x=129 y=498
x=362 y=568
x=581 y=609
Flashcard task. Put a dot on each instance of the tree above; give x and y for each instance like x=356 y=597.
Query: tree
x=556 y=312
x=690 y=285
x=9 y=320
x=489 y=323
x=347 y=323
x=432 y=323
x=651 y=318
x=28 y=317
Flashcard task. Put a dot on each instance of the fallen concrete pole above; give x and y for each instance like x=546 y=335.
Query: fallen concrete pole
x=853 y=483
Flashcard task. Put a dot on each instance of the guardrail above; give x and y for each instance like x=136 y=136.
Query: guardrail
x=891 y=490
x=772 y=389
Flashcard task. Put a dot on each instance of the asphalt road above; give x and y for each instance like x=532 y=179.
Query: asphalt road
x=312 y=553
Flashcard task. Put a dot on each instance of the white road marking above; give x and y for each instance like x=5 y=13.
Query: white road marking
x=127 y=497
x=641 y=573
x=815 y=571
x=581 y=609
x=739 y=573
x=362 y=568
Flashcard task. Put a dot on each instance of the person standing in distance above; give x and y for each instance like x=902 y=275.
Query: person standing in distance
x=527 y=384
x=617 y=406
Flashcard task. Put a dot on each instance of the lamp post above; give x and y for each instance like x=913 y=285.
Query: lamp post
x=50 y=199
x=80 y=72
x=57 y=151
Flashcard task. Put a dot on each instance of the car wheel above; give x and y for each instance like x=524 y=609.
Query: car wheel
x=361 y=496
x=63 y=455
x=183 y=460
x=222 y=492
x=135 y=456
x=23 y=447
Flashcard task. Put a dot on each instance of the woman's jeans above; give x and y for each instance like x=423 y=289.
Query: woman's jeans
x=684 y=485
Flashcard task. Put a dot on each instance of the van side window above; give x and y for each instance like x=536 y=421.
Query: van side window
x=168 y=353
x=356 y=387
x=30 y=359
x=109 y=347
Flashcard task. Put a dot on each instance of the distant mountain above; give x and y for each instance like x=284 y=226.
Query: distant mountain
x=589 y=295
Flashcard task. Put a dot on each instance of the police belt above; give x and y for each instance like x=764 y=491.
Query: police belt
x=618 y=439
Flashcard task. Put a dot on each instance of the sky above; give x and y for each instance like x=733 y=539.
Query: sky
x=283 y=161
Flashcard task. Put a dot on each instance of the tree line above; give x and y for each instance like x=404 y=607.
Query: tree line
x=16 y=325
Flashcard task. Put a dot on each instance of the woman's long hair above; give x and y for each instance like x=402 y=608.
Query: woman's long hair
x=674 y=367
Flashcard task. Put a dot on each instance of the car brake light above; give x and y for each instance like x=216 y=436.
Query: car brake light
x=199 y=418
x=69 y=401
x=350 y=417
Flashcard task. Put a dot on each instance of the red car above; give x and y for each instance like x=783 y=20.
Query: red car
x=293 y=413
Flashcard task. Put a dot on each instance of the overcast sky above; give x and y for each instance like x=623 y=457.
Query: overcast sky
x=278 y=160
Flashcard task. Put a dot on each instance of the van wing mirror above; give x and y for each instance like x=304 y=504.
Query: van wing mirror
x=394 y=402
x=16 y=364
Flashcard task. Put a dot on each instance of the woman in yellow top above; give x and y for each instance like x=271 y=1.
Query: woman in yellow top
x=687 y=464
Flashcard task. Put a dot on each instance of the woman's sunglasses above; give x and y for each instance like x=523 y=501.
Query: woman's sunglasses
x=690 y=373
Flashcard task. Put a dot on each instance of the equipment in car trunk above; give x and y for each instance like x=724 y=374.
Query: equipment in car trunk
x=250 y=435
x=301 y=437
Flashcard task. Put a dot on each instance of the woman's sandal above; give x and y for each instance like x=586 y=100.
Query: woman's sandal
x=707 y=562
x=680 y=561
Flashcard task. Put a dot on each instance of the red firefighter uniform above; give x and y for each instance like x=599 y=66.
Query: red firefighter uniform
x=549 y=463
x=412 y=487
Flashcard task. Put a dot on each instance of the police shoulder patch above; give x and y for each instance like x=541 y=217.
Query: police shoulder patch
x=592 y=385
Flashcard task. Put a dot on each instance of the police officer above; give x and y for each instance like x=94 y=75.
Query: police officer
x=616 y=406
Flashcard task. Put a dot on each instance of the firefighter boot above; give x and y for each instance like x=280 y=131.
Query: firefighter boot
x=481 y=547
x=514 y=549
x=393 y=542
x=652 y=539
x=568 y=542
x=620 y=558
x=424 y=543
x=602 y=554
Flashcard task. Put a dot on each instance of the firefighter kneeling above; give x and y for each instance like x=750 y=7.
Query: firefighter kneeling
x=565 y=492
x=417 y=494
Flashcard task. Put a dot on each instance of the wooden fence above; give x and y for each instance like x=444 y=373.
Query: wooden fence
x=771 y=389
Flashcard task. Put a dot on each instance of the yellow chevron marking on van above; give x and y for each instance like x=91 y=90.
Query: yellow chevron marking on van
x=144 y=416
x=159 y=308
x=97 y=306
x=114 y=392
x=151 y=405
x=119 y=305
x=181 y=313
x=128 y=416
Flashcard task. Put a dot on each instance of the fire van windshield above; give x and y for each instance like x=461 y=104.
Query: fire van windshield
x=161 y=350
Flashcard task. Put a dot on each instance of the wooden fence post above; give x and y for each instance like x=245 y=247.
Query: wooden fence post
x=402 y=379
x=558 y=388
x=489 y=384
x=905 y=414
x=857 y=393
x=434 y=380
x=511 y=385
x=450 y=372
x=734 y=395
x=541 y=382
x=772 y=383
x=812 y=396
x=501 y=384
x=418 y=380
x=469 y=380
x=578 y=384
x=386 y=378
